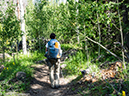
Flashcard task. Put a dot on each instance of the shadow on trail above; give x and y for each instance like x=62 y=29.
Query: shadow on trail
x=40 y=84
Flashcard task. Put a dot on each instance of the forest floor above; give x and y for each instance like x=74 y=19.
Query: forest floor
x=86 y=85
x=40 y=84
x=70 y=86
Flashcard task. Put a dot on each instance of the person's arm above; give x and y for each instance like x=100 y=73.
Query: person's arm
x=60 y=50
x=46 y=47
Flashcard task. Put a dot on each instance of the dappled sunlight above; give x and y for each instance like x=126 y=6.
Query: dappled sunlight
x=94 y=41
x=72 y=83
x=40 y=84
x=8 y=74
x=36 y=86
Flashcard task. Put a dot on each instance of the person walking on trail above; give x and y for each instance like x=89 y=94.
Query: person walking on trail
x=53 y=54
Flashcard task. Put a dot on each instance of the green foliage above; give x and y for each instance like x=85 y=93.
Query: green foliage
x=79 y=62
x=10 y=28
x=69 y=46
x=11 y=68
x=64 y=20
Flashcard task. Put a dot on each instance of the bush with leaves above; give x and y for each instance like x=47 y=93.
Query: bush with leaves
x=9 y=27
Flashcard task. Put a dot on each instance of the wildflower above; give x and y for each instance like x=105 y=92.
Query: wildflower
x=13 y=63
x=4 y=68
x=123 y=93
x=7 y=42
x=7 y=68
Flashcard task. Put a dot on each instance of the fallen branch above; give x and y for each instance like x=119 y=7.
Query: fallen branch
x=104 y=48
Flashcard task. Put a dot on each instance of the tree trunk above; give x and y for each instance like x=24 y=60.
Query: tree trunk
x=86 y=45
x=122 y=42
x=126 y=23
x=99 y=31
x=23 y=28
x=125 y=14
x=17 y=48
x=39 y=43
x=3 y=53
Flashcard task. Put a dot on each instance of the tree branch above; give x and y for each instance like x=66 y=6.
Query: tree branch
x=116 y=27
x=104 y=48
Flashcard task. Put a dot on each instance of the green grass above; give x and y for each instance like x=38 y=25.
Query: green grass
x=79 y=62
x=74 y=65
x=69 y=46
x=23 y=63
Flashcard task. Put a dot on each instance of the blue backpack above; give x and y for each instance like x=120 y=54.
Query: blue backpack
x=53 y=49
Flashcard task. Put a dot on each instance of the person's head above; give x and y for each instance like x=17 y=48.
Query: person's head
x=52 y=36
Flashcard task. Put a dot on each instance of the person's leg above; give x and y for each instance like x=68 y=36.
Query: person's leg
x=51 y=74
x=47 y=62
x=57 y=73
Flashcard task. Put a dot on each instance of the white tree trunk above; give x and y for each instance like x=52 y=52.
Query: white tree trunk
x=23 y=28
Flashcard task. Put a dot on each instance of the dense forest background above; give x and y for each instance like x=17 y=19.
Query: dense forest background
x=98 y=29
x=105 y=22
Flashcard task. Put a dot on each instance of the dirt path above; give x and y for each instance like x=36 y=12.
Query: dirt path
x=40 y=85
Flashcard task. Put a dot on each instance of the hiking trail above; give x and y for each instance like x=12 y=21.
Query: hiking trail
x=40 y=84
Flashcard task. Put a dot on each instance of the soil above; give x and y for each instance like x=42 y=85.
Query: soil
x=40 y=84
x=70 y=86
